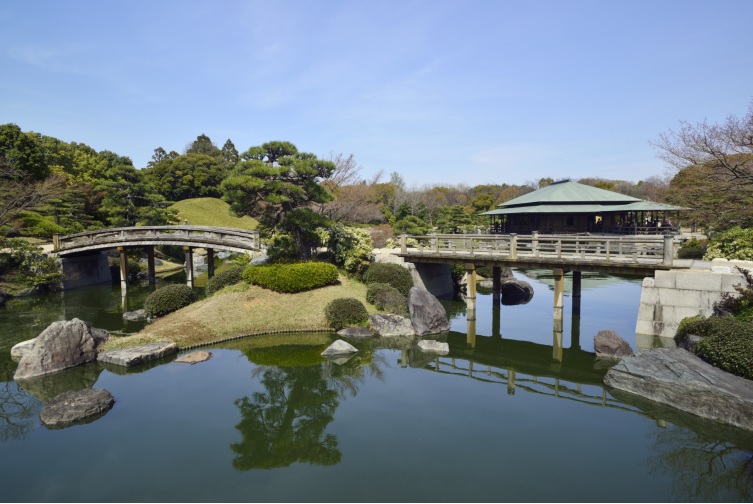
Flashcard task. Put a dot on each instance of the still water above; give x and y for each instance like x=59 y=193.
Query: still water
x=509 y=415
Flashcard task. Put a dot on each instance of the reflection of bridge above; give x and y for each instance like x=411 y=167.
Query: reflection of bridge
x=551 y=370
x=189 y=237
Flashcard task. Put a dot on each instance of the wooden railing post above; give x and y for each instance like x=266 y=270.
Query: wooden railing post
x=513 y=246
x=535 y=243
x=56 y=242
x=403 y=243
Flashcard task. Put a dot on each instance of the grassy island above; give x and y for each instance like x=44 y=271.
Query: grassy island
x=244 y=309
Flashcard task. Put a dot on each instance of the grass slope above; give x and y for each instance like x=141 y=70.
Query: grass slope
x=211 y=212
x=244 y=309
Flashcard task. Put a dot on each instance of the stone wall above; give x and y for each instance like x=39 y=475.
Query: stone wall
x=435 y=278
x=81 y=271
x=673 y=295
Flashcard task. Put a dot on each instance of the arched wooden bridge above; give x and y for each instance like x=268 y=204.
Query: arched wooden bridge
x=147 y=237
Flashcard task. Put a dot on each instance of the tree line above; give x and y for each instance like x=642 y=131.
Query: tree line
x=49 y=186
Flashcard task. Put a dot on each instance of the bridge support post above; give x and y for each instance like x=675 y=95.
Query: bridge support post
x=559 y=295
x=576 y=293
x=496 y=285
x=123 y=270
x=210 y=262
x=150 y=264
x=669 y=252
x=189 y=266
x=470 y=297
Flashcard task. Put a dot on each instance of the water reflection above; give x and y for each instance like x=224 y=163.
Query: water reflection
x=19 y=412
x=286 y=423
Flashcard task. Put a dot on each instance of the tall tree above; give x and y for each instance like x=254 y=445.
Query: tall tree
x=278 y=186
x=230 y=153
x=717 y=161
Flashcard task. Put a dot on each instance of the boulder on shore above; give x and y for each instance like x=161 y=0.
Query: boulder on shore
x=427 y=314
x=62 y=345
x=609 y=344
x=677 y=378
x=389 y=325
x=71 y=407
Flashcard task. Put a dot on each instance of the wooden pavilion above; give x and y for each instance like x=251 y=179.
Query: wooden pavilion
x=567 y=207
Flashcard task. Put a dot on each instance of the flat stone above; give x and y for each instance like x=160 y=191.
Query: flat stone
x=194 y=357
x=138 y=354
x=356 y=332
x=432 y=346
x=609 y=344
x=389 y=325
x=21 y=349
x=339 y=347
x=71 y=407
x=133 y=316
x=677 y=378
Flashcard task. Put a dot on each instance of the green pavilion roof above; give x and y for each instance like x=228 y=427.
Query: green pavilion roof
x=572 y=197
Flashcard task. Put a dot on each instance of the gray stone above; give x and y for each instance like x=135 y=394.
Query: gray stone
x=431 y=346
x=138 y=354
x=356 y=332
x=689 y=342
x=677 y=378
x=21 y=349
x=133 y=316
x=62 y=345
x=339 y=347
x=608 y=343
x=194 y=357
x=427 y=314
x=391 y=325
x=516 y=292
x=71 y=407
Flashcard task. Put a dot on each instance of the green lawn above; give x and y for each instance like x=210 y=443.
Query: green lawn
x=211 y=212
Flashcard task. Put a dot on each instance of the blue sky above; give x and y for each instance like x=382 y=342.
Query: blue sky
x=442 y=92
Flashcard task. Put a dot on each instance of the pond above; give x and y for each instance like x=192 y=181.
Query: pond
x=506 y=416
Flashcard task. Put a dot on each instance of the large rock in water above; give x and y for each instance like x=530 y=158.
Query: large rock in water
x=62 y=345
x=339 y=347
x=137 y=355
x=677 y=378
x=389 y=325
x=427 y=314
x=609 y=344
x=72 y=407
x=516 y=292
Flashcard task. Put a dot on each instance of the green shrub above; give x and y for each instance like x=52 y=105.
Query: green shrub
x=168 y=299
x=734 y=243
x=390 y=273
x=351 y=248
x=290 y=278
x=387 y=298
x=224 y=278
x=345 y=312
x=34 y=268
x=730 y=349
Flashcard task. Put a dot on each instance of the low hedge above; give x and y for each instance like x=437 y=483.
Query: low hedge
x=389 y=273
x=168 y=299
x=730 y=349
x=290 y=278
x=345 y=312
x=387 y=298
x=224 y=278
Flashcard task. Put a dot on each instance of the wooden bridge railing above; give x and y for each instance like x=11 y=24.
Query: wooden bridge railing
x=184 y=234
x=602 y=249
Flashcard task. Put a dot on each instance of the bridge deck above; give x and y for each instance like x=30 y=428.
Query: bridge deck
x=625 y=254
x=236 y=240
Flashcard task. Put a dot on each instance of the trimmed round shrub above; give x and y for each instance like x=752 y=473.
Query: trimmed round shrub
x=289 y=278
x=168 y=299
x=345 y=312
x=730 y=349
x=387 y=298
x=390 y=273
x=224 y=278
